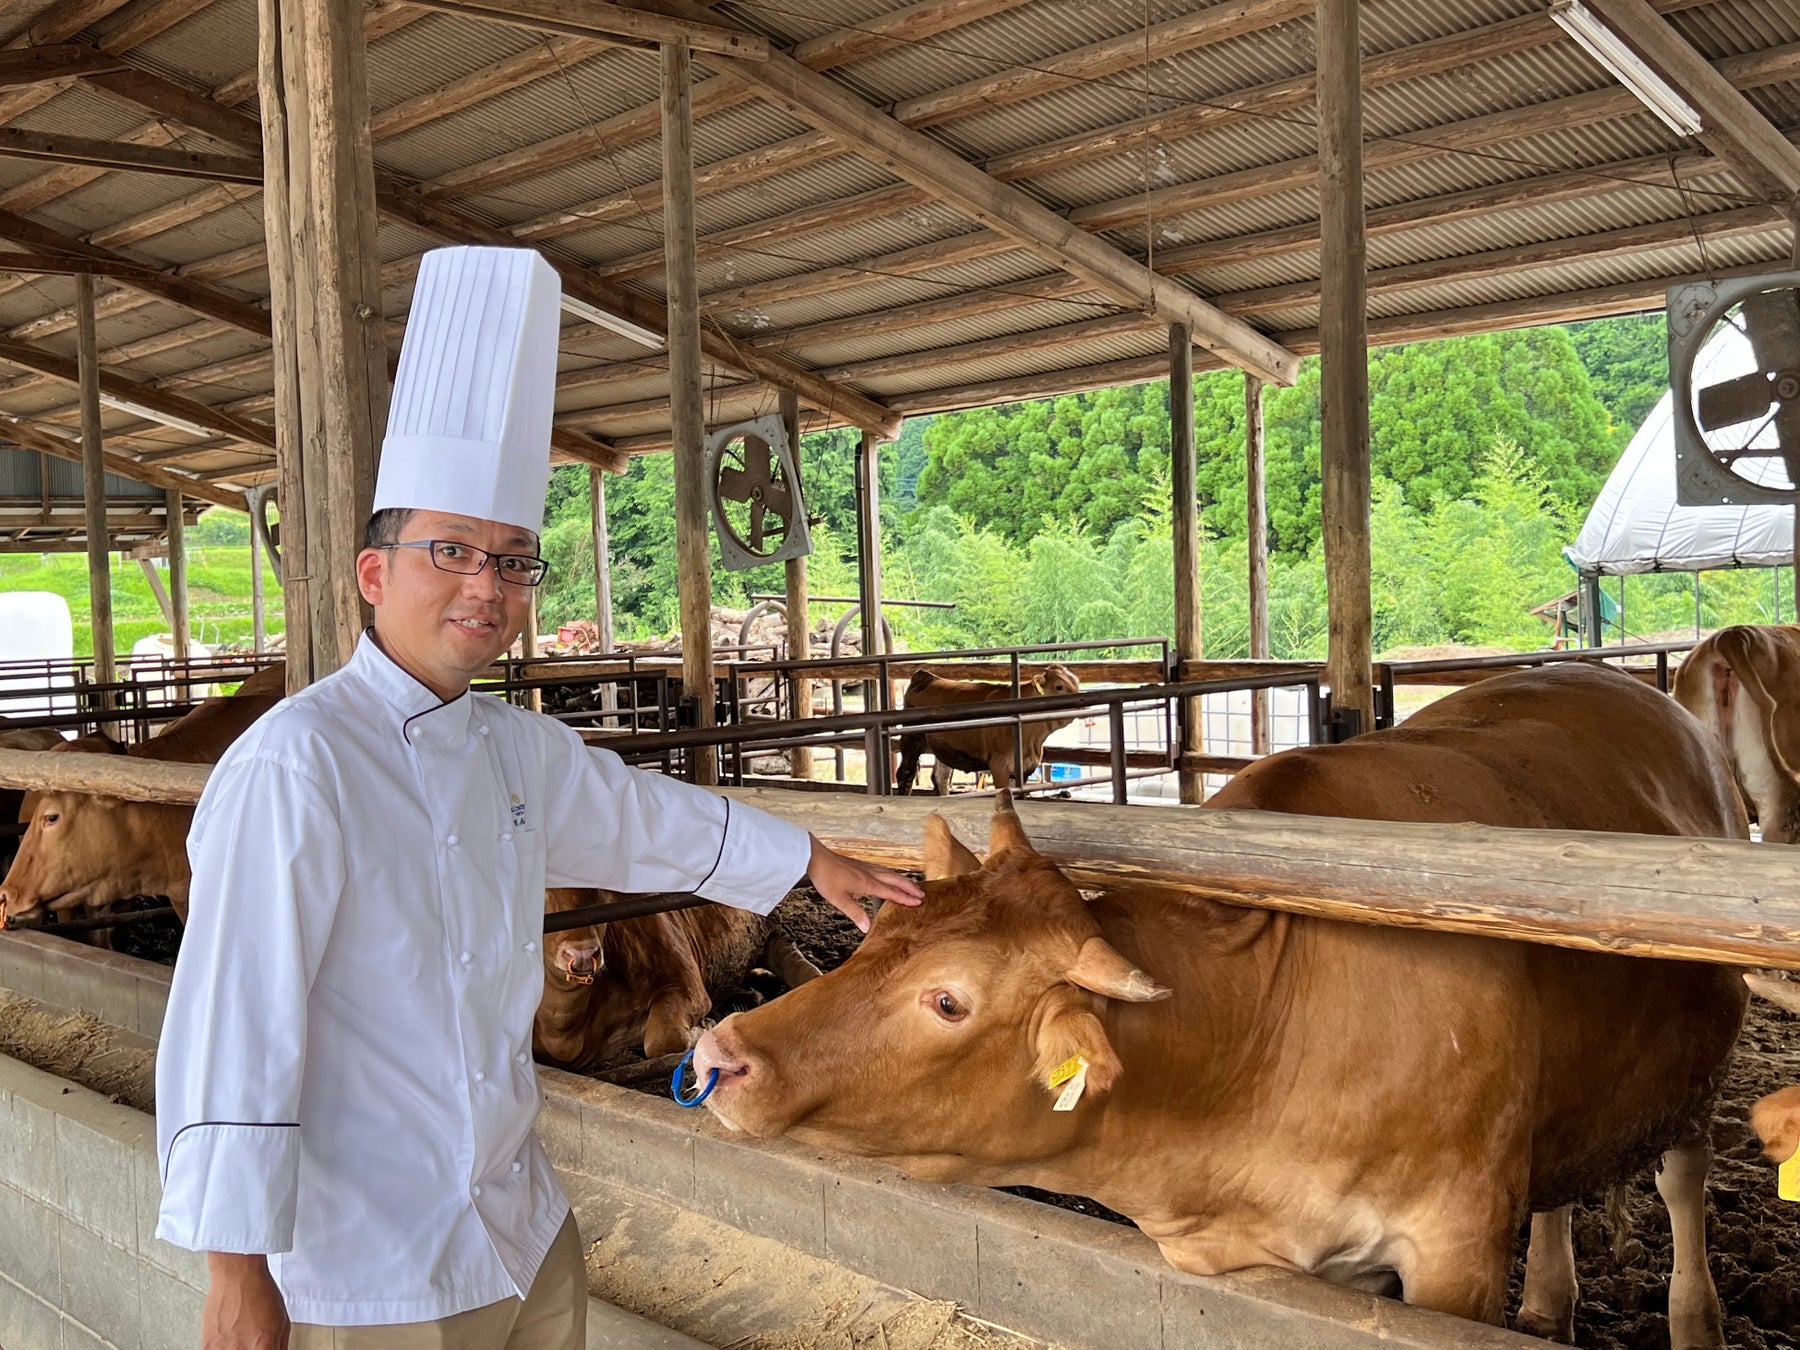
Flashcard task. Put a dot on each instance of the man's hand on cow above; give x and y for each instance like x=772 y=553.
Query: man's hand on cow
x=244 y=1310
x=843 y=881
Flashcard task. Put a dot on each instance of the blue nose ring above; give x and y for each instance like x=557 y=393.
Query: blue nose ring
x=712 y=1081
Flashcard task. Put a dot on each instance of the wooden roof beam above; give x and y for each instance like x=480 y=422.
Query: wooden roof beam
x=1745 y=72
x=35 y=438
x=831 y=108
x=1733 y=128
x=60 y=149
x=198 y=296
x=613 y=23
x=33 y=65
x=141 y=395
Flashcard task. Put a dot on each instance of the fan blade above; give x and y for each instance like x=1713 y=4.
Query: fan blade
x=734 y=485
x=756 y=527
x=779 y=499
x=1772 y=322
x=1741 y=400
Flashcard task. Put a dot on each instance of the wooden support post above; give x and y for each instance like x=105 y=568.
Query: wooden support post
x=1793 y=213
x=1183 y=475
x=93 y=487
x=603 y=615
x=868 y=574
x=1343 y=345
x=528 y=649
x=179 y=626
x=799 y=608
x=330 y=362
x=1256 y=531
x=158 y=592
x=259 y=623
x=693 y=546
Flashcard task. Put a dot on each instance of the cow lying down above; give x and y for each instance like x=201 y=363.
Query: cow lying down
x=645 y=982
x=1267 y=1089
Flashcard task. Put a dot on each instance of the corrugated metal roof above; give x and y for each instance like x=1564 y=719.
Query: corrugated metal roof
x=218 y=44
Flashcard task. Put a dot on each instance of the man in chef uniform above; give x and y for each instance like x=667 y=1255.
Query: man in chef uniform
x=345 y=1091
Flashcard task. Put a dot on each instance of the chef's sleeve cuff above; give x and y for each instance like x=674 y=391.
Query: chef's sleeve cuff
x=761 y=858
x=230 y=1188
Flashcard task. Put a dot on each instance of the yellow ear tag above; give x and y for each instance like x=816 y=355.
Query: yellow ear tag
x=1071 y=1074
x=1787 y=1178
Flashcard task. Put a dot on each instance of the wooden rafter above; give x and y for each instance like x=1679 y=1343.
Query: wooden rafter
x=32 y=65
x=613 y=23
x=60 y=149
x=1734 y=129
x=35 y=438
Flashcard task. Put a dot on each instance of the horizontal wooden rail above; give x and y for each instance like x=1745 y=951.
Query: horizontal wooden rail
x=1696 y=899
x=1088 y=672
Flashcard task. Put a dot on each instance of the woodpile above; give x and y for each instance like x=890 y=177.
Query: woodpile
x=767 y=634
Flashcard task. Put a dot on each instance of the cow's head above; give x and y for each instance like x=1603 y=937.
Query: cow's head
x=1776 y=1120
x=68 y=853
x=937 y=1043
x=575 y=956
x=1058 y=679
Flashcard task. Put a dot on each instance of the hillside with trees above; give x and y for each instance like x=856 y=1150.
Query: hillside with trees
x=1049 y=520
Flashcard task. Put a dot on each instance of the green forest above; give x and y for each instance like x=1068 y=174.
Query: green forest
x=1048 y=521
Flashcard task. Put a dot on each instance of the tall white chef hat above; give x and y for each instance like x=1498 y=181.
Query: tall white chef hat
x=469 y=422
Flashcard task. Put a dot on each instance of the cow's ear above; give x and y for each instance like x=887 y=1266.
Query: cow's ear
x=944 y=854
x=1067 y=1029
x=1006 y=831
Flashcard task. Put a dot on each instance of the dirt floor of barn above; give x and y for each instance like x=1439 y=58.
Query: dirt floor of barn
x=1753 y=1237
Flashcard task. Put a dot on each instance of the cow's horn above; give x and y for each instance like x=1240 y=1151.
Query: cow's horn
x=1006 y=831
x=1100 y=968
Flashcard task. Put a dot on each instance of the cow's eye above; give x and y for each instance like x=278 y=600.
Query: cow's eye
x=946 y=1006
x=51 y=818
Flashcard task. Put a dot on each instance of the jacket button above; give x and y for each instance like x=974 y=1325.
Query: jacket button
x=451 y=840
x=475 y=1191
x=521 y=1058
x=466 y=957
x=481 y=1075
x=481 y=731
x=531 y=946
x=518 y=1167
x=506 y=836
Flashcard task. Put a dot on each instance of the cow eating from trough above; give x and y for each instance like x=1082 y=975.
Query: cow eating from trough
x=82 y=851
x=1743 y=683
x=646 y=982
x=982 y=749
x=1269 y=1089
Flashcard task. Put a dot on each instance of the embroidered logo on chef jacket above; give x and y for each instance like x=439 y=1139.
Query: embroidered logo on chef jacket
x=518 y=812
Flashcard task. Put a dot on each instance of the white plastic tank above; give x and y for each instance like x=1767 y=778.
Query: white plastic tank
x=34 y=626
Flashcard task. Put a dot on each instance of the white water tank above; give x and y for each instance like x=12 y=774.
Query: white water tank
x=34 y=626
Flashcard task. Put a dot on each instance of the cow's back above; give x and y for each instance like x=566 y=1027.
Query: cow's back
x=204 y=734
x=1626 y=1053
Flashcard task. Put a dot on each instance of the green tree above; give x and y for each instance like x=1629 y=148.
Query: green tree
x=1628 y=361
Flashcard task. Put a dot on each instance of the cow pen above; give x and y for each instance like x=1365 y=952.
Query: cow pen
x=837 y=215
x=641 y=1171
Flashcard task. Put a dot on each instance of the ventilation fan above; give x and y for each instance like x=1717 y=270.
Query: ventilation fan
x=1734 y=369
x=756 y=504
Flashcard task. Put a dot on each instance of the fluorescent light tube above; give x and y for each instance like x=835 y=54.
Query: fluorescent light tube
x=1606 y=47
x=151 y=415
x=581 y=309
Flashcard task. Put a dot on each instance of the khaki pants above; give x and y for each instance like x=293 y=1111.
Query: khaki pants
x=553 y=1317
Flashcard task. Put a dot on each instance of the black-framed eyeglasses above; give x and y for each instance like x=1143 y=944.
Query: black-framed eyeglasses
x=449 y=555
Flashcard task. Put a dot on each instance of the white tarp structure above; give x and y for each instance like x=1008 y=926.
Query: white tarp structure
x=1636 y=526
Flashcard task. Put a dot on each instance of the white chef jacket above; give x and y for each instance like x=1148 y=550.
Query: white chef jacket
x=345 y=1079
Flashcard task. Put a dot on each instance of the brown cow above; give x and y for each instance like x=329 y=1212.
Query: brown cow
x=985 y=749
x=644 y=982
x=82 y=851
x=19 y=738
x=1353 y=1101
x=1744 y=684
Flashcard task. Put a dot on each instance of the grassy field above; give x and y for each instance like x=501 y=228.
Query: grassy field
x=218 y=594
